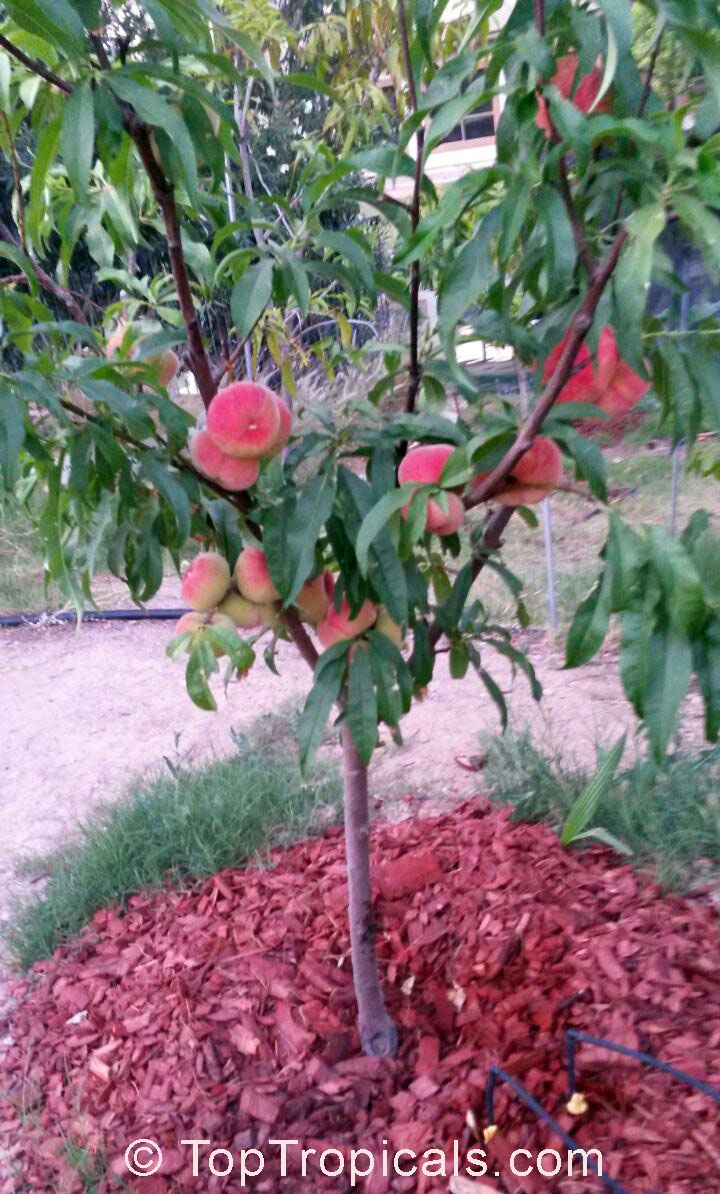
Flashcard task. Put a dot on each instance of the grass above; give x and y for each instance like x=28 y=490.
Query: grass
x=176 y=828
x=22 y=587
x=668 y=815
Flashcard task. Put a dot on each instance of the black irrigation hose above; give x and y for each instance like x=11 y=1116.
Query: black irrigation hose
x=573 y=1038
x=92 y=615
x=496 y=1075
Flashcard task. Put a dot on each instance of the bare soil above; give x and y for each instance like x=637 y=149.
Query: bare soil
x=86 y=712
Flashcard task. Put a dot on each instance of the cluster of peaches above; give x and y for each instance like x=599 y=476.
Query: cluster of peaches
x=247 y=423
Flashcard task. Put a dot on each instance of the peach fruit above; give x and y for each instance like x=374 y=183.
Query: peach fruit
x=424 y=463
x=244 y=419
x=116 y=337
x=536 y=473
x=283 y=434
x=584 y=96
x=244 y=614
x=453 y=520
x=618 y=387
x=234 y=473
x=580 y=385
x=253 y=578
x=337 y=625
x=313 y=600
x=206 y=580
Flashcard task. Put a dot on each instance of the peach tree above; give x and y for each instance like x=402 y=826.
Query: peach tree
x=358 y=534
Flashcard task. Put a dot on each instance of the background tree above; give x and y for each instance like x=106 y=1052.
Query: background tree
x=550 y=250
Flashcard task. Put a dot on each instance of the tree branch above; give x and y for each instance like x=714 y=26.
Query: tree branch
x=579 y=326
x=37 y=68
x=300 y=636
x=164 y=193
x=490 y=542
x=46 y=280
x=584 y=251
x=414 y=372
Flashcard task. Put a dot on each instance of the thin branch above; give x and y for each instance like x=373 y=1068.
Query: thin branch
x=37 y=68
x=46 y=280
x=165 y=195
x=300 y=636
x=539 y=11
x=414 y=372
x=490 y=542
x=579 y=326
x=584 y=251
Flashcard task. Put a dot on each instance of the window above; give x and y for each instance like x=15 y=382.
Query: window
x=478 y=123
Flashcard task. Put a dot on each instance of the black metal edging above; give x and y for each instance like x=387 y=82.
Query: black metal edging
x=495 y=1075
x=91 y=615
x=573 y=1037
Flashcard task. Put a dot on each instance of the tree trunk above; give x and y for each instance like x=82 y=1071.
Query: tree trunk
x=378 y=1034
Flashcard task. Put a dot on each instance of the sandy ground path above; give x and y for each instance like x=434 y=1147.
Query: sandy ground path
x=84 y=713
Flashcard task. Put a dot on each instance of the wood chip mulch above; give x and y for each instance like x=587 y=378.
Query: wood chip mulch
x=226 y=1013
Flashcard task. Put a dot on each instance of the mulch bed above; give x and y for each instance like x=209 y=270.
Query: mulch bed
x=226 y=1013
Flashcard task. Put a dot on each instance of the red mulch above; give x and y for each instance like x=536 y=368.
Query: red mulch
x=227 y=1013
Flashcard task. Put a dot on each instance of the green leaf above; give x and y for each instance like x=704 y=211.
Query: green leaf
x=466 y=277
x=596 y=790
x=422 y=660
x=495 y=694
x=561 y=253
x=450 y=613
x=250 y=296
x=589 y=460
x=45 y=154
x=77 y=137
x=459 y=659
x=55 y=21
x=12 y=435
x=679 y=581
x=292 y=529
x=15 y=254
x=153 y=109
x=625 y=554
x=632 y=279
x=196 y=681
x=362 y=713
x=702 y=226
x=385 y=571
x=354 y=253
x=514 y=210
x=668 y=677
x=173 y=493
x=589 y=625
x=376 y=519
x=329 y=677
x=706 y=653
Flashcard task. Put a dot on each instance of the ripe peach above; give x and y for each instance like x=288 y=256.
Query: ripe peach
x=252 y=576
x=535 y=474
x=424 y=463
x=580 y=386
x=455 y=517
x=337 y=625
x=585 y=94
x=244 y=419
x=167 y=364
x=313 y=600
x=618 y=387
x=206 y=580
x=389 y=628
x=269 y=612
x=283 y=434
x=244 y=614
x=232 y=472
